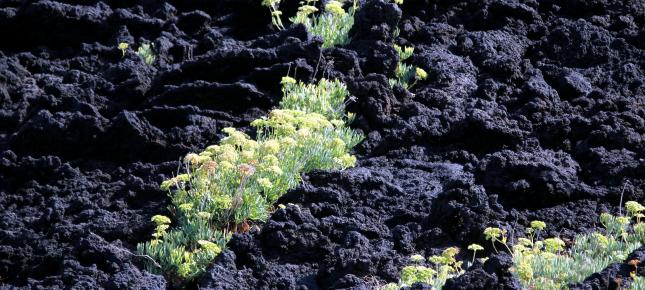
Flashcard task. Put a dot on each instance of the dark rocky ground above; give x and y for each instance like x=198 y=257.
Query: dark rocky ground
x=532 y=110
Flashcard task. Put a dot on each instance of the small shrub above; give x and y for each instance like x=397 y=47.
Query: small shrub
x=475 y=248
x=327 y=97
x=638 y=283
x=146 y=52
x=439 y=269
x=123 y=47
x=547 y=264
x=234 y=183
x=275 y=12
x=406 y=73
x=332 y=25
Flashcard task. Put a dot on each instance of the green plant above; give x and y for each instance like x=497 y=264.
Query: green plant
x=123 y=47
x=547 y=264
x=535 y=228
x=441 y=268
x=234 y=183
x=146 y=52
x=391 y=286
x=496 y=235
x=638 y=283
x=326 y=97
x=635 y=209
x=406 y=73
x=307 y=9
x=475 y=248
x=332 y=25
x=417 y=258
x=274 y=7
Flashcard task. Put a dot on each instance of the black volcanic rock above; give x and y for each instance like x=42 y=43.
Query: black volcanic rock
x=531 y=110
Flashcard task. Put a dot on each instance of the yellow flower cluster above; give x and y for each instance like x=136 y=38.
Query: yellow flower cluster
x=440 y=268
x=238 y=180
x=335 y=7
x=325 y=97
x=332 y=26
x=405 y=73
x=548 y=264
x=275 y=12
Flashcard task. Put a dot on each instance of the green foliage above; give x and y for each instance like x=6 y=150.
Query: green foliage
x=405 y=73
x=439 y=269
x=546 y=264
x=274 y=7
x=146 y=52
x=234 y=183
x=496 y=235
x=309 y=138
x=327 y=97
x=332 y=25
x=391 y=286
x=123 y=47
x=638 y=283
x=475 y=248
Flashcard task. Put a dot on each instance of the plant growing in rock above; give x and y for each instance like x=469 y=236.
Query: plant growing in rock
x=440 y=268
x=475 y=248
x=146 y=52
x=274 y=7
x=236 y=182
x=332 y=25
x=638 y=283
x=547 y=264
x=405 y=73
x=123 y=47
x=496 y=235
x=326 y=97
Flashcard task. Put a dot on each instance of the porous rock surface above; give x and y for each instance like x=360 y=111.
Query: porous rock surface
x=532 y=110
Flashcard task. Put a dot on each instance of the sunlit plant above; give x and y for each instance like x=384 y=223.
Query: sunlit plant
x=475 y=248
x=146 y=52
x=231 y=185
x=332 y=25
x=548 y=264
x=435 y=273
x=123 y=47
x=496 y=235
x=638 y=283
x=327 y=97
x=274 y=7
x=406 y=73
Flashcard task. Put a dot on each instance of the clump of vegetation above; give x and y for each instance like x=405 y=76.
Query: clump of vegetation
x=326 y=97
x=146 y=52
x=547 y=264
x=475 y=248
x=332 y=25
x=235 y=183
x=638 y=283
x=123 y=47
x=434 y=271
x=406 y=73
x=274 y=7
